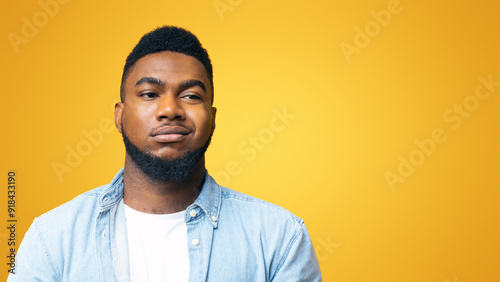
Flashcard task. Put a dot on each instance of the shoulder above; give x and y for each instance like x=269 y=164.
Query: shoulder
x=247 y=201
x=265 y=235
x=49 y=245
x=88 y=203
x=82 y=206
x=254 y=209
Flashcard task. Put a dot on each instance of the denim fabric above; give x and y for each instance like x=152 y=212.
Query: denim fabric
x=232 y=237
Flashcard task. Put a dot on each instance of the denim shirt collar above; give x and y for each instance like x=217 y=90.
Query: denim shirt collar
x=209 y=199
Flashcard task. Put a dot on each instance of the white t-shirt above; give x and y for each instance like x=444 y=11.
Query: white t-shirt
x=158 y=248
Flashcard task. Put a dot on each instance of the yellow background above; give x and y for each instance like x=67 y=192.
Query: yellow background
x=352 y=120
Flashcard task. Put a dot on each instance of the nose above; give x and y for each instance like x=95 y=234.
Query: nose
x=169 y=108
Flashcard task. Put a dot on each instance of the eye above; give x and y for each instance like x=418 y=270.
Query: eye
x=191 y=97
x=148 y=95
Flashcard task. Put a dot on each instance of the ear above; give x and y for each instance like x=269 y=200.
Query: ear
x=118 y=116
x=214 y=112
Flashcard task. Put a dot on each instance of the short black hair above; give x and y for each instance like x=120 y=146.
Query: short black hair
x=168 y=38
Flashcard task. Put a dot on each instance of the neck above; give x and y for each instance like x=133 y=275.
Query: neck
x=148 y=195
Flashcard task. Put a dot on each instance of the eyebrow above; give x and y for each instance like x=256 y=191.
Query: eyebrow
x=150 y=80
x=192 y=82
x=184 y=85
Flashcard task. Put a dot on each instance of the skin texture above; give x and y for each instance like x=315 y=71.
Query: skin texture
x=159 y=97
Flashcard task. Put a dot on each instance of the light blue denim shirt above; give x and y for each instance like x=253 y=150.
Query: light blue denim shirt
x=231 y=237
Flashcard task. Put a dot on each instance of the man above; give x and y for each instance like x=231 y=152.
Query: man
x=163 y=217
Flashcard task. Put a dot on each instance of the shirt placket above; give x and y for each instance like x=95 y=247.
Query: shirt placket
x=200 y=235
x=103 y=247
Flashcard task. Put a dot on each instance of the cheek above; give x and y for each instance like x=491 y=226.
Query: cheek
x=203 y=123
x=135 y=122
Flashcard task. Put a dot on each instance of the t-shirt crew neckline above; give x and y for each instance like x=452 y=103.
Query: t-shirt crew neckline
x=158 y=246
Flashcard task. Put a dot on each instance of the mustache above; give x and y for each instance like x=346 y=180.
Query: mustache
x=169 y=124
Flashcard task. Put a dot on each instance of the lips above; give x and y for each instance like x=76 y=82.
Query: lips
x=168 y=134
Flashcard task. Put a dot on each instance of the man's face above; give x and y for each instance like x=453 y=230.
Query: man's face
x=167 y=112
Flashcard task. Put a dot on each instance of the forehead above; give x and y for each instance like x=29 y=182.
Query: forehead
x=172 y=67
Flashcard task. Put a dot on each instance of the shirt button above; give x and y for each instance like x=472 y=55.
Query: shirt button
x=192 y=213
x=214 y=219
x=195 y=242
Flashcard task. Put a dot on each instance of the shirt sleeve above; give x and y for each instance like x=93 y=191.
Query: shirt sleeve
x=300 y=262
x=32 y=260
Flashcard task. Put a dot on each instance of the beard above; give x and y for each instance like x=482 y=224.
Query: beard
x=176 y=170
